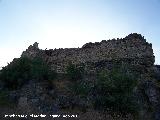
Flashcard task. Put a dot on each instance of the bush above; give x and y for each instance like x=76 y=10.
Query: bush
x=4 y=99
x=114 y=90
x=17 y=73
x=81 y=88
x=74 y=73
x=13 y=74
x=39 y=70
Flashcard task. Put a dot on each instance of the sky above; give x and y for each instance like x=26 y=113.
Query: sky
x=72 y=23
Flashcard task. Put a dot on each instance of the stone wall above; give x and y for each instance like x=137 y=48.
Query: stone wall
x=132 y=49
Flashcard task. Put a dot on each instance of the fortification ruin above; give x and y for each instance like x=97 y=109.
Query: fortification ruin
x=133 y=49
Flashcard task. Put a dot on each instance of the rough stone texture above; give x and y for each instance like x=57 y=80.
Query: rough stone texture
x=148 y=97
x=152 y=91
x=38 y=96
x=133 y=49
x=156 y=72
x=22 y=102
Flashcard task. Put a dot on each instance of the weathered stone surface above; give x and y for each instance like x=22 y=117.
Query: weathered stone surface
x=156 y=72
x=22 y=102
x=153 y=95
x=150 y=97
x=132 y=49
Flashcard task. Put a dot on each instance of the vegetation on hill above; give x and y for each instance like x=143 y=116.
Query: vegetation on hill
x=113 y=89
x=74 y=73
x=21 y=70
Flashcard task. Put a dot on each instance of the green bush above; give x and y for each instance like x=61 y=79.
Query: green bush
x=4 y=100
x=74 y=73
x=17 y=73
x=114 y=90
x=39 y=70
x=81 y=88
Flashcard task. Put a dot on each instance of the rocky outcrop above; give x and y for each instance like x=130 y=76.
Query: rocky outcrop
x=132 y=50
x=151 y=94
x=32 y=51
x=156 y=72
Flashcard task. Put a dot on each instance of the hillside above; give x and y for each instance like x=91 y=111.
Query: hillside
x=112 y=79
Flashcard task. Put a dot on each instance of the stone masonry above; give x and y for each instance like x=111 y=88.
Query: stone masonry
x=133 y=49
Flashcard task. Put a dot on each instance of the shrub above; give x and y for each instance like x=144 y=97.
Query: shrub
x=17 y=73
x=81 y=88
x=74 y=73
x=13 y=74
x=114 y=90
x=39 y=70
x=4 y=100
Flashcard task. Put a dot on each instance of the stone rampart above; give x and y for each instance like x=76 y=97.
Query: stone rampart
x=132 y=49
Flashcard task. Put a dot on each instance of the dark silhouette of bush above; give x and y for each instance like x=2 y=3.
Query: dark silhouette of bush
x=114 y=90
x=39 y=70
x=21 y=70
x=81 y=88
x=3 y=98
x=74 y=73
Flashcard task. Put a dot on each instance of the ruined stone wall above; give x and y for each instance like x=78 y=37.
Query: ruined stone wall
x=132 y=49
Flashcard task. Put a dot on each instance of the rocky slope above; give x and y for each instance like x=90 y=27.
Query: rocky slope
x=58 y=96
